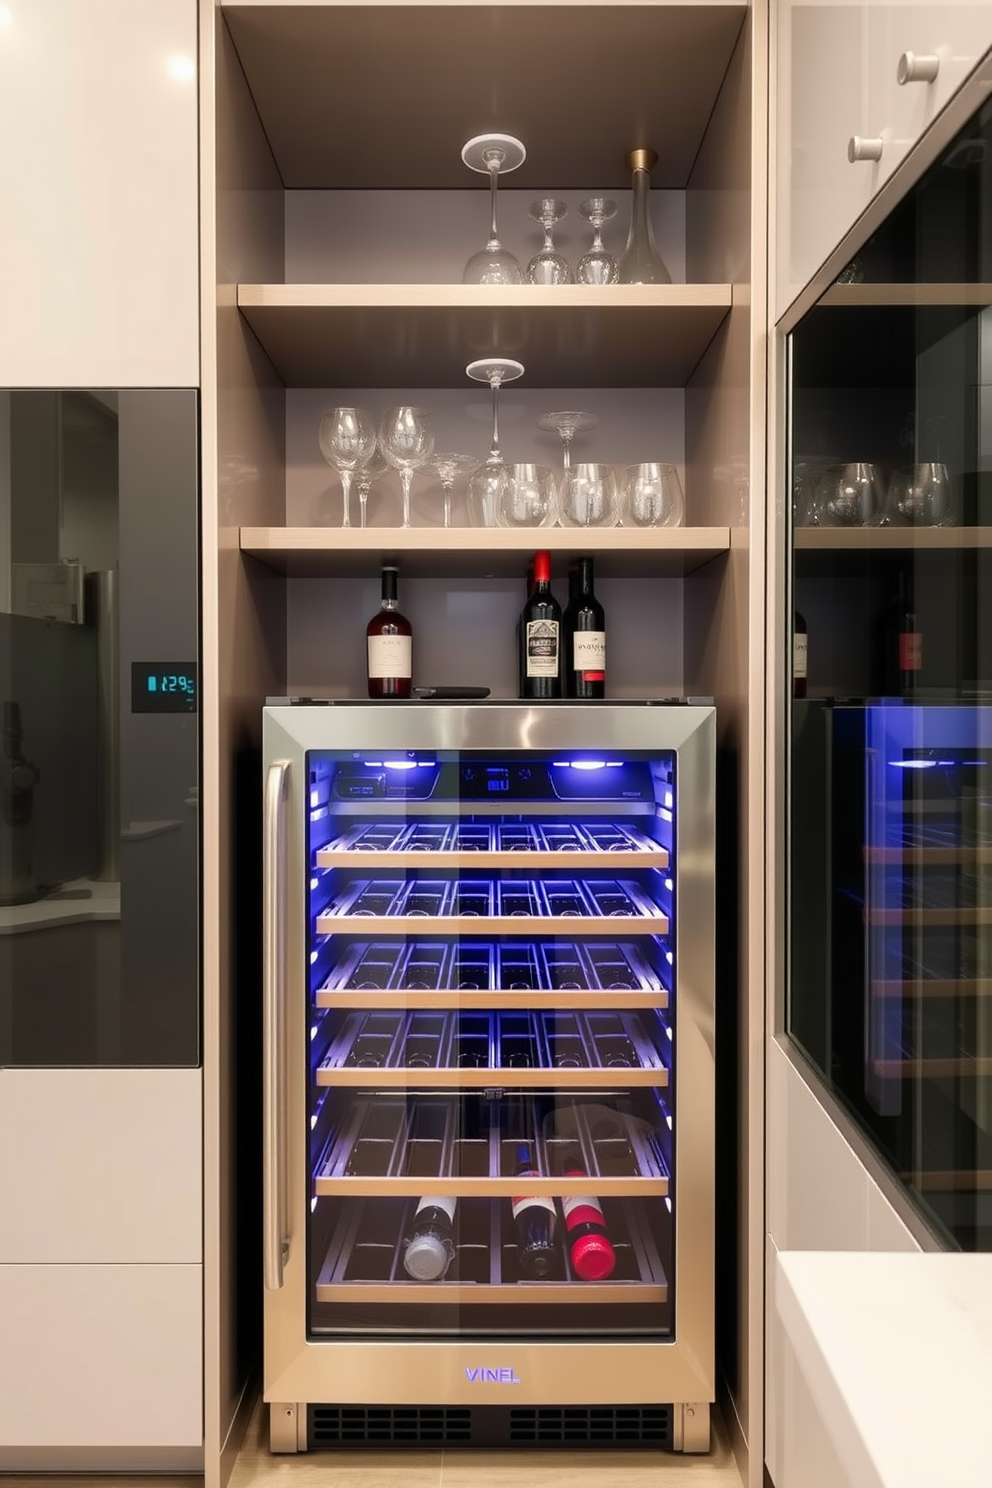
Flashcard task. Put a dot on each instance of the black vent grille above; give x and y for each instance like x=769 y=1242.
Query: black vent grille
x=384 y=1426
x=592 y=1425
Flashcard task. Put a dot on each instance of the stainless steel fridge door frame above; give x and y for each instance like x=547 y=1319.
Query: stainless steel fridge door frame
x=436 y=1371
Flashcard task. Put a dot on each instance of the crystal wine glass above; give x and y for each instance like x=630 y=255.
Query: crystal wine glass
x=597 y=266
x=921 y=496
x=406 y=438
x=448 y=467
x=548 y=266
x=652 y=496
x=366 y=477
x=485 y=489
x=529 y=497
x=347 y=439
x=566 y=425
x=589 y=496
x=493 y=154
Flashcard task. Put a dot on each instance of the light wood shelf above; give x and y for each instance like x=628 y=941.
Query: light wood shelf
x=431 y=552
x=422 y=335
x=891 y=539
x=476 y=926
x=915 y=296
x=462 y=1294
x=458 y=999
x=405 y=1186
x=587 y=862
x=456 y=1077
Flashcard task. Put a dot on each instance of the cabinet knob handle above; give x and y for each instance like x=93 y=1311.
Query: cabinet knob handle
x=914 y=68
x=863 y=149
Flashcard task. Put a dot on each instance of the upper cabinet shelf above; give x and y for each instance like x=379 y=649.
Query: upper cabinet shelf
x=413 y=335
x=383 y=96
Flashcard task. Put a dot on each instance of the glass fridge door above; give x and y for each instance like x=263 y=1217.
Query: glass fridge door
x=492 y=1035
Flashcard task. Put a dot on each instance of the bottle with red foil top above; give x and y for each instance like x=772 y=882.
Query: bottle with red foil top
x=589 y=1249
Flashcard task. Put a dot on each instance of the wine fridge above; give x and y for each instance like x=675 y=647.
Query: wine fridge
x=488 y=1081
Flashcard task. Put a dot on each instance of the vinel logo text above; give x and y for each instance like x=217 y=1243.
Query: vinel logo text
x=492 y=1376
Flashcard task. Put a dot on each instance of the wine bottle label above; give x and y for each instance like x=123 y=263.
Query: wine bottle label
x=542 y=648
x=589 y=652
x=390 y=656
x=532 y=1201
x=446 y=1205
x=910 y=651
x=582 y=1211
x=800 y=647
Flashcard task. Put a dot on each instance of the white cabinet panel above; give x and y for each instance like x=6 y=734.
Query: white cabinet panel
x=98 y=193
x=105 y=1165
x=101 y=1356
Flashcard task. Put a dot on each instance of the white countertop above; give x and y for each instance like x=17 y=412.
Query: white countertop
x=896 y=1350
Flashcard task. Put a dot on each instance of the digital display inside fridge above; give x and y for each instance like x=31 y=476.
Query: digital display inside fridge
x=491 y=944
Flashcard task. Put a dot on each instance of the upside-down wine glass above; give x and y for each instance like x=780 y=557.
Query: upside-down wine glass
x=597 y=265
x=406 y=438
x=485 y=489
x=566 y=425
x=347 y=439
x=493 y=154
x=448 y=467
x=548 y=266
x=366 y=477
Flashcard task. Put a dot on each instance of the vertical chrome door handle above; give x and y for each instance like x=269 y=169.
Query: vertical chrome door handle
x=859 y=148
x=275 y=1245
x=916 y=67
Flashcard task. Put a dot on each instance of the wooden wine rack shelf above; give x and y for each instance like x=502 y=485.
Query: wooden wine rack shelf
x=456 y=999
x=586 y=862
x=461 y=1294
x=656 y=1185
x=459 y=1078
x=484 y=925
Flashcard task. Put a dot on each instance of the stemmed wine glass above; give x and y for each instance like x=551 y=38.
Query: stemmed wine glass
x=566 y=425
x=406 y=438
x=492 y=154
x=597 y=266
x=347 y=440
x=485 y=489
x=447 y=467
x=365 y=479
x=548 y=266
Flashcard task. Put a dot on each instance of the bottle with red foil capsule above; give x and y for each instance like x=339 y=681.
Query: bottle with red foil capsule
x=590 y=1252
x=534 y=1218
x=540 y=636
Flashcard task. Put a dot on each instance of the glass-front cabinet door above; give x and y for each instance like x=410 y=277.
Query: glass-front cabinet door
x=99 y=751
x=890 y=795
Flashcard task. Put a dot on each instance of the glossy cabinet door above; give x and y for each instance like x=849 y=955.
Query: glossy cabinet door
x=838 y=82
x=99 y=194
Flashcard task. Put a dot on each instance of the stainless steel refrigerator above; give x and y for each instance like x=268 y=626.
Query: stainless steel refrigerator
x=489 y=1074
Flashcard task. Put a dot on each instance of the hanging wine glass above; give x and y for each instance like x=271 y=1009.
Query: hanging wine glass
x=448 y=467
x=485 y=489
x=406 y=438
x=346 y=438
x=493 y=155
x=566 y=425
x=597 y=266
x=366 y=477
x=548 y=266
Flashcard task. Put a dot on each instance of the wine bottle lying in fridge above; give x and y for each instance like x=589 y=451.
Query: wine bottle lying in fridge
x=430 y=1247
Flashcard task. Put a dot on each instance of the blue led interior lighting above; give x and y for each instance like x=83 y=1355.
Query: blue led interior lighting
x=913 y=764
x=401 y=764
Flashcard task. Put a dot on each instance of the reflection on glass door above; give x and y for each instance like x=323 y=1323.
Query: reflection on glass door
x=891 y=771
x=99 y=758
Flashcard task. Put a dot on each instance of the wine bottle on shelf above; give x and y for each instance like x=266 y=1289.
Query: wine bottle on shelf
x=800 y=655
x=389 y=642
x=534 y=1219
x=590 y=1250
x=540 y=636
x=904 y=642
x=430 y=1246
x=584 y=627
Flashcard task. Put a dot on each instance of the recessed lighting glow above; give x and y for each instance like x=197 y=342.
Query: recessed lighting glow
x=6 y=17
x=914 y=764
x=182 y=68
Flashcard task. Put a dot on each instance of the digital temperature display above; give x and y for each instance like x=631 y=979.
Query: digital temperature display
x=497 y=780
x=163 y=687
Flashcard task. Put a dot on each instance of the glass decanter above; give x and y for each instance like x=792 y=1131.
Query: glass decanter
x=641 y=263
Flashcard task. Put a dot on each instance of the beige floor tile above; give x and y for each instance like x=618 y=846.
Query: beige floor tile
x=256 y=1467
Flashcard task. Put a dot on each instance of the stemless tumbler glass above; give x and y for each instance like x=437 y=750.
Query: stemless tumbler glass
x=651 y=496
x=588 y=496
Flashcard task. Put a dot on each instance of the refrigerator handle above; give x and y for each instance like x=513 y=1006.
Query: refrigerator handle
x=276 y=1244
